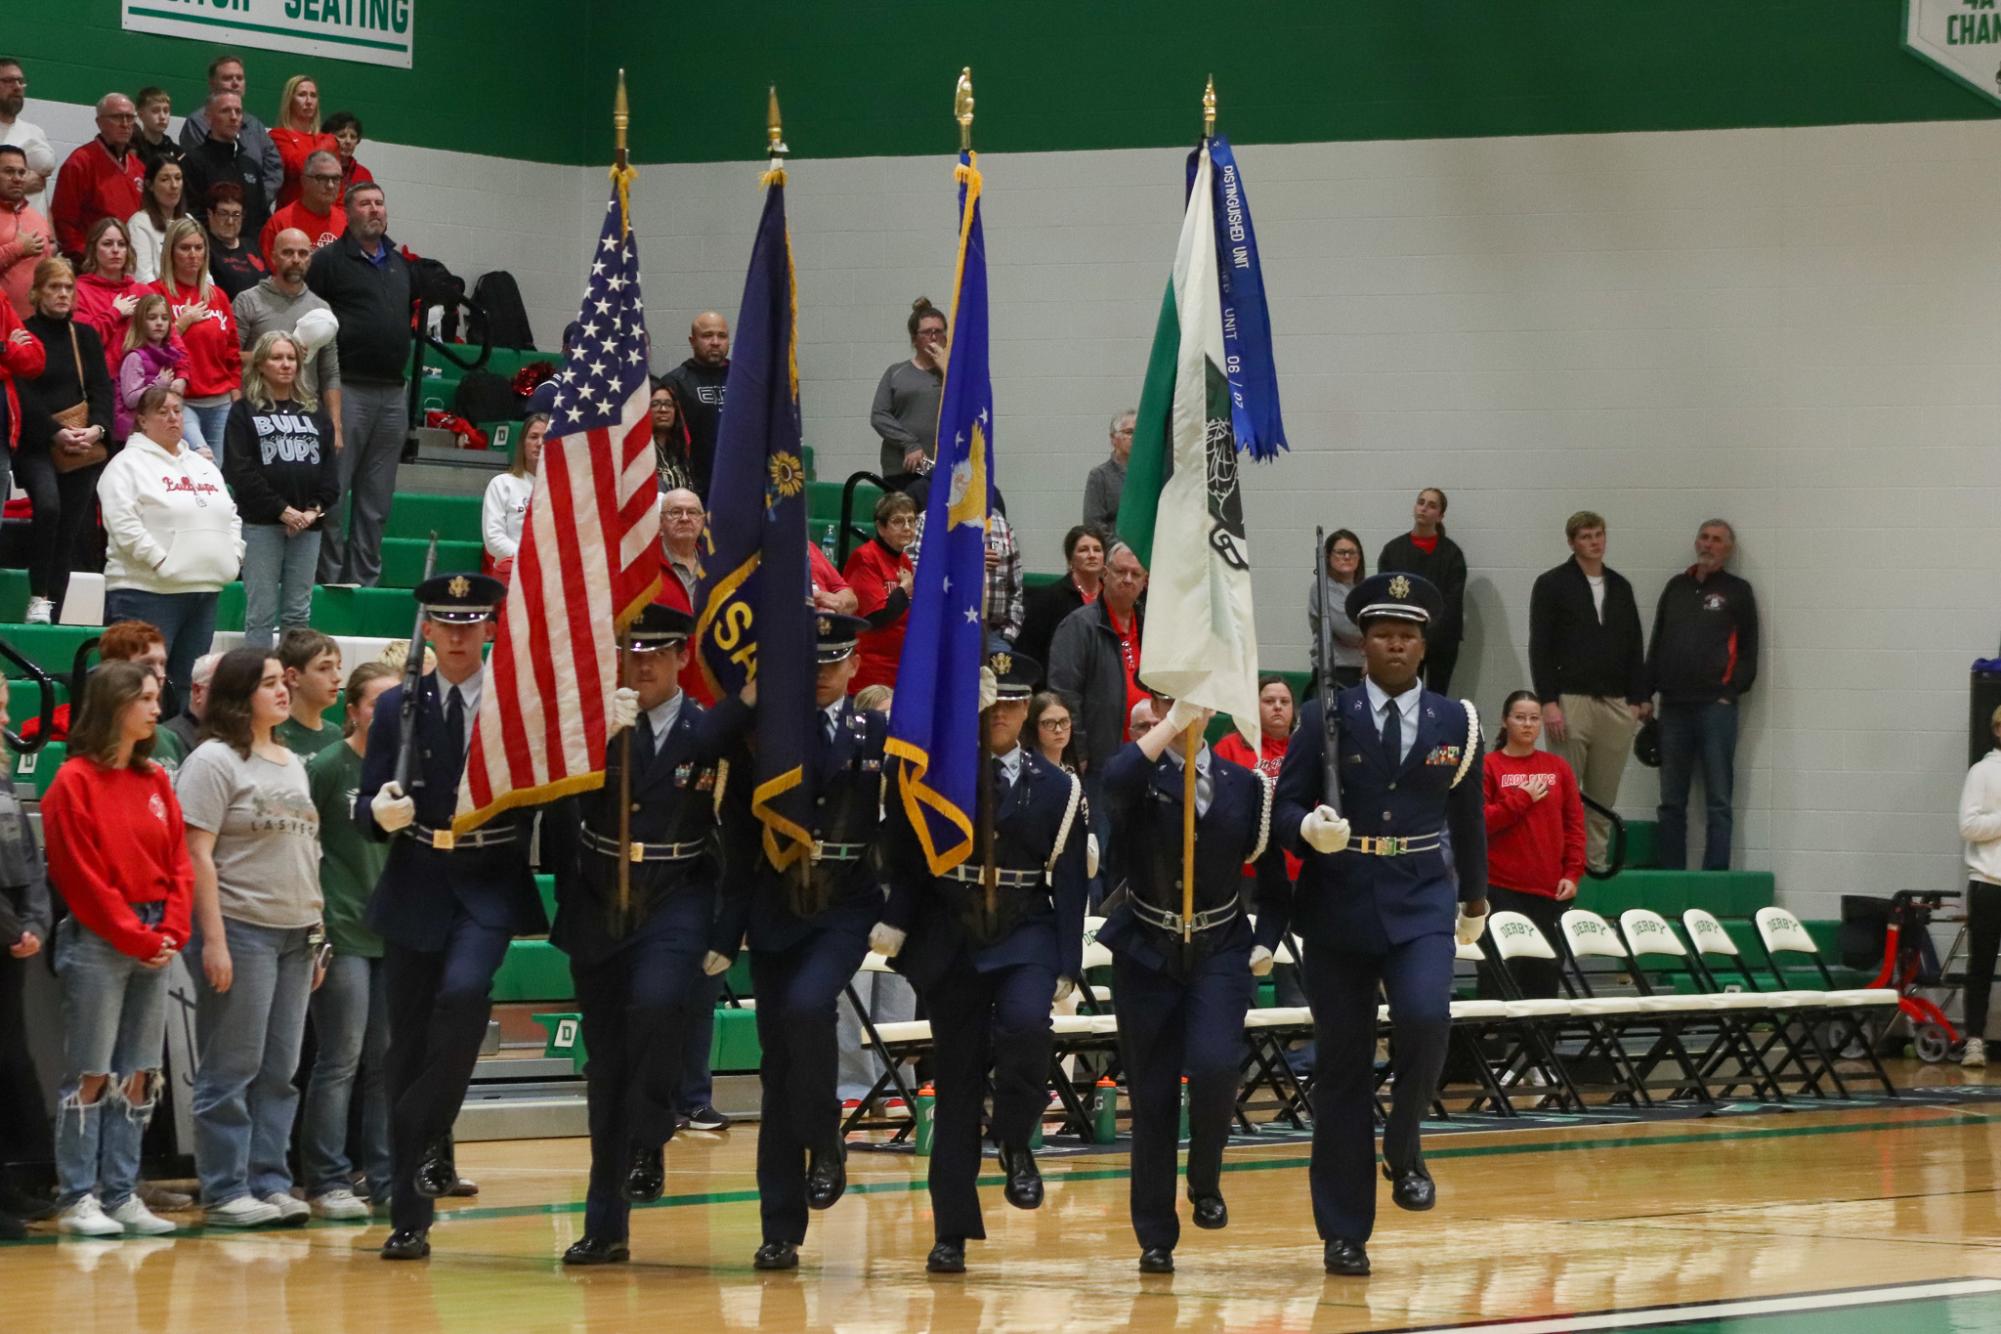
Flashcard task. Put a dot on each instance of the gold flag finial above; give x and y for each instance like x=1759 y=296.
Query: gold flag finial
x=774 y=129
x=1209 y=109
x=962 y=108
x=621 y=118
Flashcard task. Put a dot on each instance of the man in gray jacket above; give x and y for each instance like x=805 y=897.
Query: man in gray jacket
x=277 y=304
x=1094 y=656
x=1107 y=483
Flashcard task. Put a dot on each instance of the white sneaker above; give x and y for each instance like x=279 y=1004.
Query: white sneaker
x=340 y=1205
x=86 y=1218
x=292 y=1211
x=138 y=1220
x=243 y=1211
x=1975 y=1055
x=40 y=611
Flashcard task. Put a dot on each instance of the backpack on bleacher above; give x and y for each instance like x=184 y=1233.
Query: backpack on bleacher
x=484 y=397
x=506 y=323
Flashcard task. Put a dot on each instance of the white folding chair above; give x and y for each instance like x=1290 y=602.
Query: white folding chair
x=1728 y=1014
x=1844 y=1008
x=893 y=1044
x=1790 y=1048
x=1655 y=1020
x=1541 y=1021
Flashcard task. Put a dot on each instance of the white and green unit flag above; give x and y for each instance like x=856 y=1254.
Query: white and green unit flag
x=1182 y=511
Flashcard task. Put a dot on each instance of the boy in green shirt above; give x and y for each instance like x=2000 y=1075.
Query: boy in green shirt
x=312 y=674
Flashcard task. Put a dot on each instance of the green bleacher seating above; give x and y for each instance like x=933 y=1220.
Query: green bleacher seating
x=403 y=560
x=33 y=773
x=417 y=513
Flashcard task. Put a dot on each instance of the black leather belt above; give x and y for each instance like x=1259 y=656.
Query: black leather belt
x=968 y=874
x=1207 y=920
x=643 y=852
x=444 y=840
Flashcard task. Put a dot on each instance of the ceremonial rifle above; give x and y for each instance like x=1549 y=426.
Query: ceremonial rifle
x=413 y=677
x=1330 y=722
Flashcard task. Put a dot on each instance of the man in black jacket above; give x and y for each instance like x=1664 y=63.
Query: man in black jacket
x=1588 y=664
x=1702 y=658
x=698 y=384
x=366 y=281
x=223 y=155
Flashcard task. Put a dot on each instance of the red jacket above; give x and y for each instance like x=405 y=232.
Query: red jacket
x=1271 y=754
x=94 y=297
x=215 y=359
x=115 y=838
x=322 y=229
x=672 y=594
x=294 y=147
x=92 y=185
x=871 y=573
x=1532 y=844
x=21 y=356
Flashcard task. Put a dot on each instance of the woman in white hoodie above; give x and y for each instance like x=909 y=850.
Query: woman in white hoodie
x=175 y=535
x=1980 y=826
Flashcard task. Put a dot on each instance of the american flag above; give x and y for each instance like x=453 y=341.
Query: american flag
x=589 y=560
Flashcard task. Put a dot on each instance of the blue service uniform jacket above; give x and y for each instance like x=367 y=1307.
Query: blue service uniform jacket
x=1028 y=818
x=673 y=801
x=1352 y=900
x=844 y=777
x=422 y=887
x=1146 y=806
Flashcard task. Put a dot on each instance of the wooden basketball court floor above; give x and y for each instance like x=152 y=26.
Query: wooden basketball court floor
x=1864 y=1219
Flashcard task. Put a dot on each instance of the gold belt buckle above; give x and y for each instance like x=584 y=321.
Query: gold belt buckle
x=635 y=852
x=443 y=840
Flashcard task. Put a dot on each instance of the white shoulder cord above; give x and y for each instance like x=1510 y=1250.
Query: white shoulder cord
x=1264 y=817
x=1472 y=740
x=1063 y=830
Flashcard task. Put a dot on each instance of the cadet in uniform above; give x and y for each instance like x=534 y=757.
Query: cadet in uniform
x=807 y=937
x=1375 y=906
x=988 y=979
x=638 y=973
x=1181 y=1010
x=445 y=907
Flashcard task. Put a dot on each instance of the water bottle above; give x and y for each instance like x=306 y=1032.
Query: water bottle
x=927 y=1105
x=827 y=543
x=1105 y=1129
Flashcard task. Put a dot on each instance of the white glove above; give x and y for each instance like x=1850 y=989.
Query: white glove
x=1323 y=830
x=1090 y=856
x=1064 y=986
x=989 y=688
x=1467 y=929
x=1180 y=716
x=1261 y=961
x=624 y=711
x=885 y=939
x=391 y=808
x=714 y=964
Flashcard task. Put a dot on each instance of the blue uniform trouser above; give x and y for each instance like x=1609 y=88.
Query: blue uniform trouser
x=637 y=1006
x=796 y=990
x=995 y=1020
x=439 y=1002
x=1341 y=987
x=1170 y=1027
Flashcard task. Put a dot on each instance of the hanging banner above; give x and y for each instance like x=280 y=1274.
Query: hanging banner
x=372 y=32
x=1960 y=37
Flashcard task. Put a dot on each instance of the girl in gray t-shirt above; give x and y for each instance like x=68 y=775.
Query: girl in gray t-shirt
x=253 y=834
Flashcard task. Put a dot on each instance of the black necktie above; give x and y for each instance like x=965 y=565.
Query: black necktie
x=1393 y=735
x=455 y=724
x=1001 y=784
x=648 y=744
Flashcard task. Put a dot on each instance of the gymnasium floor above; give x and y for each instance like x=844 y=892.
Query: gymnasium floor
x=1865 y=1219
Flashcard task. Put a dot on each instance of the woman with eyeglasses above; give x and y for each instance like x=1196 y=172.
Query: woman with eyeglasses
x=235 y=267
x=1050 y=729
x=905 y=413
x=1345 y=568
x=880 y=573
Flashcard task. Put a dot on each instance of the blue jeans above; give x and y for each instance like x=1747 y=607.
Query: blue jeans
x=278 y=572
x=115 y=1025
x=204 y=428
x=185 y=620
x=351 y=1027
x=247 y=1042
x=1692 y=734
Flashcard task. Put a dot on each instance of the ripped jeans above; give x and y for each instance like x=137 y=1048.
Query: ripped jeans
x=115 y=1026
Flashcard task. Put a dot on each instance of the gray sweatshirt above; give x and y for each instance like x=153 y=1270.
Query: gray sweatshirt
x=905 y=414
x=1347 y=637
x=266 y=309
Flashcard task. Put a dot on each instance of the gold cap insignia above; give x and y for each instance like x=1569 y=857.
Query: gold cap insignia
x=1399 y=587
x=826 y=626
x=1002 y=663
x=459 y=586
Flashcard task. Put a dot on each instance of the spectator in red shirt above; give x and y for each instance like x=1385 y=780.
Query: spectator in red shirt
x=106 y=291
x=880 y=574
x=830 y=591
x=206 y=323
x=25 y=238
x=345 y=127
x=1277 y=716
x=316 y=211
x=1535 y=834
x=101 y=179
x=298 y=134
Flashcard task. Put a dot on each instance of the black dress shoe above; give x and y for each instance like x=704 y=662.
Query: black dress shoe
x=591 y=1250
x=1411 y=1188
x=407 y=1243
x=436 y=1172
x=1210 y=1211
x=1156 y=1260
x=1023 y=1189
x=1346 y=1257
x=947 y=1257
x=645 y=1176
x=462 y=1189
x=826 y=1179
x=776 y=1255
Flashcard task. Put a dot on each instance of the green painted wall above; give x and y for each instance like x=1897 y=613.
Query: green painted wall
x=482 y=67
x=533 y=78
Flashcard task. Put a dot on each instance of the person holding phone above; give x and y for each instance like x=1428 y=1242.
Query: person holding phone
x=118 y=858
